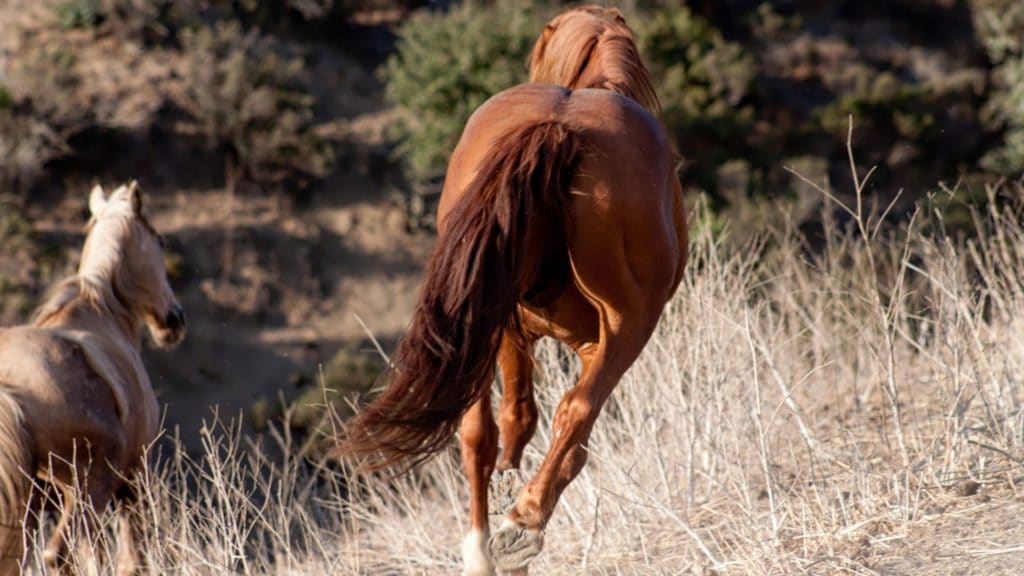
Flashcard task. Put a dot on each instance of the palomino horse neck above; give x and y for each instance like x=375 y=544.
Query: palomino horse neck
x=121 y=289
x=120 y=277
x=77 y=409
x=592 y=47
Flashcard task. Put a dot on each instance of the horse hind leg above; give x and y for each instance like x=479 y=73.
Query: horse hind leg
x=478 y=437
x=86 y=484
x=54 y=554
x=517 y=420
x=83 y=503
x=128 y=561
x=517 y=415
x=521 y=536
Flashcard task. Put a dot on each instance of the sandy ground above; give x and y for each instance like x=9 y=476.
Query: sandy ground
x=982 y=534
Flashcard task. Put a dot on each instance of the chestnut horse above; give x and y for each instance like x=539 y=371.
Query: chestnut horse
x=561 y=216
x=77 y=409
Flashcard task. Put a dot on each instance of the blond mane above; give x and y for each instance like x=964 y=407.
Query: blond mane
x=100 y=280
x=592 y=47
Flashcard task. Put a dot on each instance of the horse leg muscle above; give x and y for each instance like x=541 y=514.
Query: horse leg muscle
x=478 y=436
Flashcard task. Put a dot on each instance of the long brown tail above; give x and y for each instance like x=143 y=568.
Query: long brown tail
x=15 y=462
x=473 y=281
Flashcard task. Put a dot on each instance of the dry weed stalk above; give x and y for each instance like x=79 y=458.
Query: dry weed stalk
x=796 y=412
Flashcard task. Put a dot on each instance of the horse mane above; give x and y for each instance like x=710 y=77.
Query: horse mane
x=100 y=282
x=596 y=41
x=57 y=298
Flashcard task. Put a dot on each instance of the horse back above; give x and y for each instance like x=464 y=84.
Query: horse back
x=627 y=143
x=625 y=224
x=70 y=391
x=626 y=177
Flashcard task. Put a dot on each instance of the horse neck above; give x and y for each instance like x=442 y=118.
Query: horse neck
x=75 y=306
x=599 y=59
x=615 y=65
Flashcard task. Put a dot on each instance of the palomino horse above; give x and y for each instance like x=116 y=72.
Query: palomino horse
x=561 y=216
x=76 y=406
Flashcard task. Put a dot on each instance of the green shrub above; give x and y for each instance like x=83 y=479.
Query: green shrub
x=143 y=21
x=1000 y=25
x=79 y=13
x=40 y=110
x=878 y=100
x=17 y=242
x=264 y=11
x=702 y=81
x=448 y=64
x=6 y=98
x=44 y=82
x=253 y=104
x=146 y=21
x=26 y=145
x=699 y=73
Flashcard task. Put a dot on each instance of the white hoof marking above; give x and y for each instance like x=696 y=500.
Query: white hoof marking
x=475 y=559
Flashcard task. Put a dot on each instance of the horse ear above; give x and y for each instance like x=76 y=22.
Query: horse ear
x=549 y=29
x=97 y=200
x=135 y=196
x=540 y=47
x=616 y=15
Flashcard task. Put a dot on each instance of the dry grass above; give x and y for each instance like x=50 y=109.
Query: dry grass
x=795 y=413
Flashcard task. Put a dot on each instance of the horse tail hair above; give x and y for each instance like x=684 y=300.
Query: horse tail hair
x=474 y=278
x=15 y=485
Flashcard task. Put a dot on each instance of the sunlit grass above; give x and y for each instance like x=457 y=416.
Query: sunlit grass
x=795 y=412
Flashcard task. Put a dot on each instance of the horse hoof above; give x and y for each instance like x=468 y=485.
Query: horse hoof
x=503 y=491
x=514 y=545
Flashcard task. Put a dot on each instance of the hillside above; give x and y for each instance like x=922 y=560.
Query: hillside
x=272 y=284
x=289 y=216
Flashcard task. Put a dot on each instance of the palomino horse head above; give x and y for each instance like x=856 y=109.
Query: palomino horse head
x=123 y=265
x=592 y=47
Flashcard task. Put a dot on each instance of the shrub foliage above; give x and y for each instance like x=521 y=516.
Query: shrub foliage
x=1000 y=25
x=448 y=64
x=703 y=83
x=252 y=103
